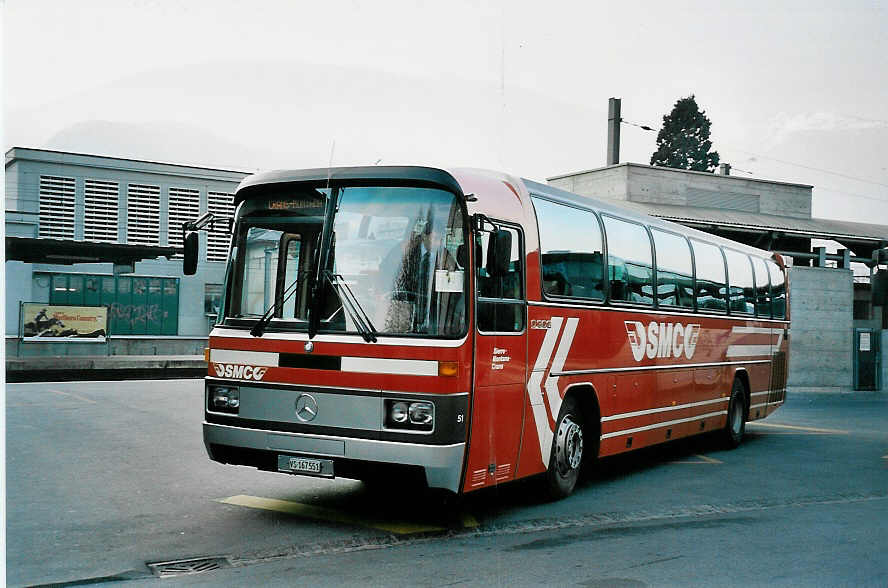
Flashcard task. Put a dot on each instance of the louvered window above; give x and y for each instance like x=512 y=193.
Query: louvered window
x=220 y=204
x=56 y=207
x=143 y=214
x=184 y=206
x=100 y=216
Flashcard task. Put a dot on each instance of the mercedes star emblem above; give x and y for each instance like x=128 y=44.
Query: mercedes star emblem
x=306 y=408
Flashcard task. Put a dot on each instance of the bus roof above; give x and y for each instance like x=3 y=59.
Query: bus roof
x=398 y=174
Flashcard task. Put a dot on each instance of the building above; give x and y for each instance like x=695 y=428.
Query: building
x=88 y=230
x=835 y=329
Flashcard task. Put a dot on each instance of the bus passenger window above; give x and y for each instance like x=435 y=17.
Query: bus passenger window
x=570 y=251
x=711 y=282
x=741 y=293
x=762 y=288
x=675 y=272
x=778 y=290
x=629 y=261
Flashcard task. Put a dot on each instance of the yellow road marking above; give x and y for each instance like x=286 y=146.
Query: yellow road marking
x=806 y=429
x=702 y=459
x=321 y=513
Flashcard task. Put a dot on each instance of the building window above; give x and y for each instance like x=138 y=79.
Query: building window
x=143 y=214
x=100 y=214
x=212 y=299
x=862 y=310
x=184 y=206
x=221 y=204
x=56 y=207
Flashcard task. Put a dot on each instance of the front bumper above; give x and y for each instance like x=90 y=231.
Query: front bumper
x=442 y=463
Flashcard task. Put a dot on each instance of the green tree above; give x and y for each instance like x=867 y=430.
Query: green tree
x=683 y=141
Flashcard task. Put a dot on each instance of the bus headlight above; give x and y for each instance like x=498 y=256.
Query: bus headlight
x=409 y=415
x=224 y=399
x=421 y=413
x=399 y=412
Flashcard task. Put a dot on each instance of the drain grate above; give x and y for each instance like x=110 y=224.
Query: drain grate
x=182 y=567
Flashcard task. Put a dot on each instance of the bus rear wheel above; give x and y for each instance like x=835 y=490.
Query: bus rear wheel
x=567 y=451
x=734 y=429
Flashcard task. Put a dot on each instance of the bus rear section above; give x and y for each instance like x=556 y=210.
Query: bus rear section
x=343 y=347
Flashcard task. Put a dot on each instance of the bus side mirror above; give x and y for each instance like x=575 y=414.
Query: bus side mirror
x=189 y=265
x=499 y=252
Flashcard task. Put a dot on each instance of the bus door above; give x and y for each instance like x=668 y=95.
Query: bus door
x=500 y=365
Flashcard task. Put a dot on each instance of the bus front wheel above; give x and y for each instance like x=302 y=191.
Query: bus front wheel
x=736 y=425
x=567 y=451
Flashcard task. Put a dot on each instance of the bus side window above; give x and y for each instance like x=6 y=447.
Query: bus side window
x=762 y=288
x=675 y=272
x=711 y=277
x=570 y=251
x=630 y=261
x=778 y=290
x=741 y=293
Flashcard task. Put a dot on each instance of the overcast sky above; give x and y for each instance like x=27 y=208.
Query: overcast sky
x=796 y=91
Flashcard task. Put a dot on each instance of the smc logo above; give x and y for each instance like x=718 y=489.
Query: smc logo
x=662 y=339
x=243 y=372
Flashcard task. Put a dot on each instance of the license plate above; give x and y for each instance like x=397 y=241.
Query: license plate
x=305 y=465
x=309 y=466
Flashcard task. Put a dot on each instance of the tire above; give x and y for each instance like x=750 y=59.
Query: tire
x=566 y=457
x=734 y=429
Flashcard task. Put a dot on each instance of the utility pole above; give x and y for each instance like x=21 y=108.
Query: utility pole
x=613 y=131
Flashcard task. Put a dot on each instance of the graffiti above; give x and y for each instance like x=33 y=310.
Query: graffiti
x=138 y=313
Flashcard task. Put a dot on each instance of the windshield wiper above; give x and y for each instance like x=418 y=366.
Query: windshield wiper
x=260 y=326
x=352 y=306
x=323 y=261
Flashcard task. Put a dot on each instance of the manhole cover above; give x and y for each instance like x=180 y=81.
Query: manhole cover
x=181 y=567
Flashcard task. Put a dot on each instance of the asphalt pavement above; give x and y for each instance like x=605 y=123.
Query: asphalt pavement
x=105 y=478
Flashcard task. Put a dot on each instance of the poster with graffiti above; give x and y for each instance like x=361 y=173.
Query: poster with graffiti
x=52 y=322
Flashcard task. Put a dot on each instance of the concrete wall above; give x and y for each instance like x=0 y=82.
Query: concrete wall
x=608 y=182
x=659 y=185
x=820 y=343
x=685 y=188
x=128 y=345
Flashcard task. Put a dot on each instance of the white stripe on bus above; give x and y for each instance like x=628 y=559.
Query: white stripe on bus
x=663 y=424
x=629 y=415
x=263 y=358
x=381 y=365
x=535 y=390
x=748 y=350
x=552 y=393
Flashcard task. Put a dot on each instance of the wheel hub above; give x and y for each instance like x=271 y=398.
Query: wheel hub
x=569 y=445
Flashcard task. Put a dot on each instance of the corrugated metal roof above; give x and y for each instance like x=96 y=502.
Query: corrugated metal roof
x=821 y=228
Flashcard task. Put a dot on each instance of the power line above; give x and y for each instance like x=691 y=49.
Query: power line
x=826 y=171
x=853 y=195
x=645 y=127
x=818 y=169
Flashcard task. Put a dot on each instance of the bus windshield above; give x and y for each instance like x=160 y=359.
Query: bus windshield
x=395 y=261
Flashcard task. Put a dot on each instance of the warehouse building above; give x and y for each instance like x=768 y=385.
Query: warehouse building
x=93 y=231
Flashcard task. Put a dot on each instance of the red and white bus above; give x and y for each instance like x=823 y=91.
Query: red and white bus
x=477 y=328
